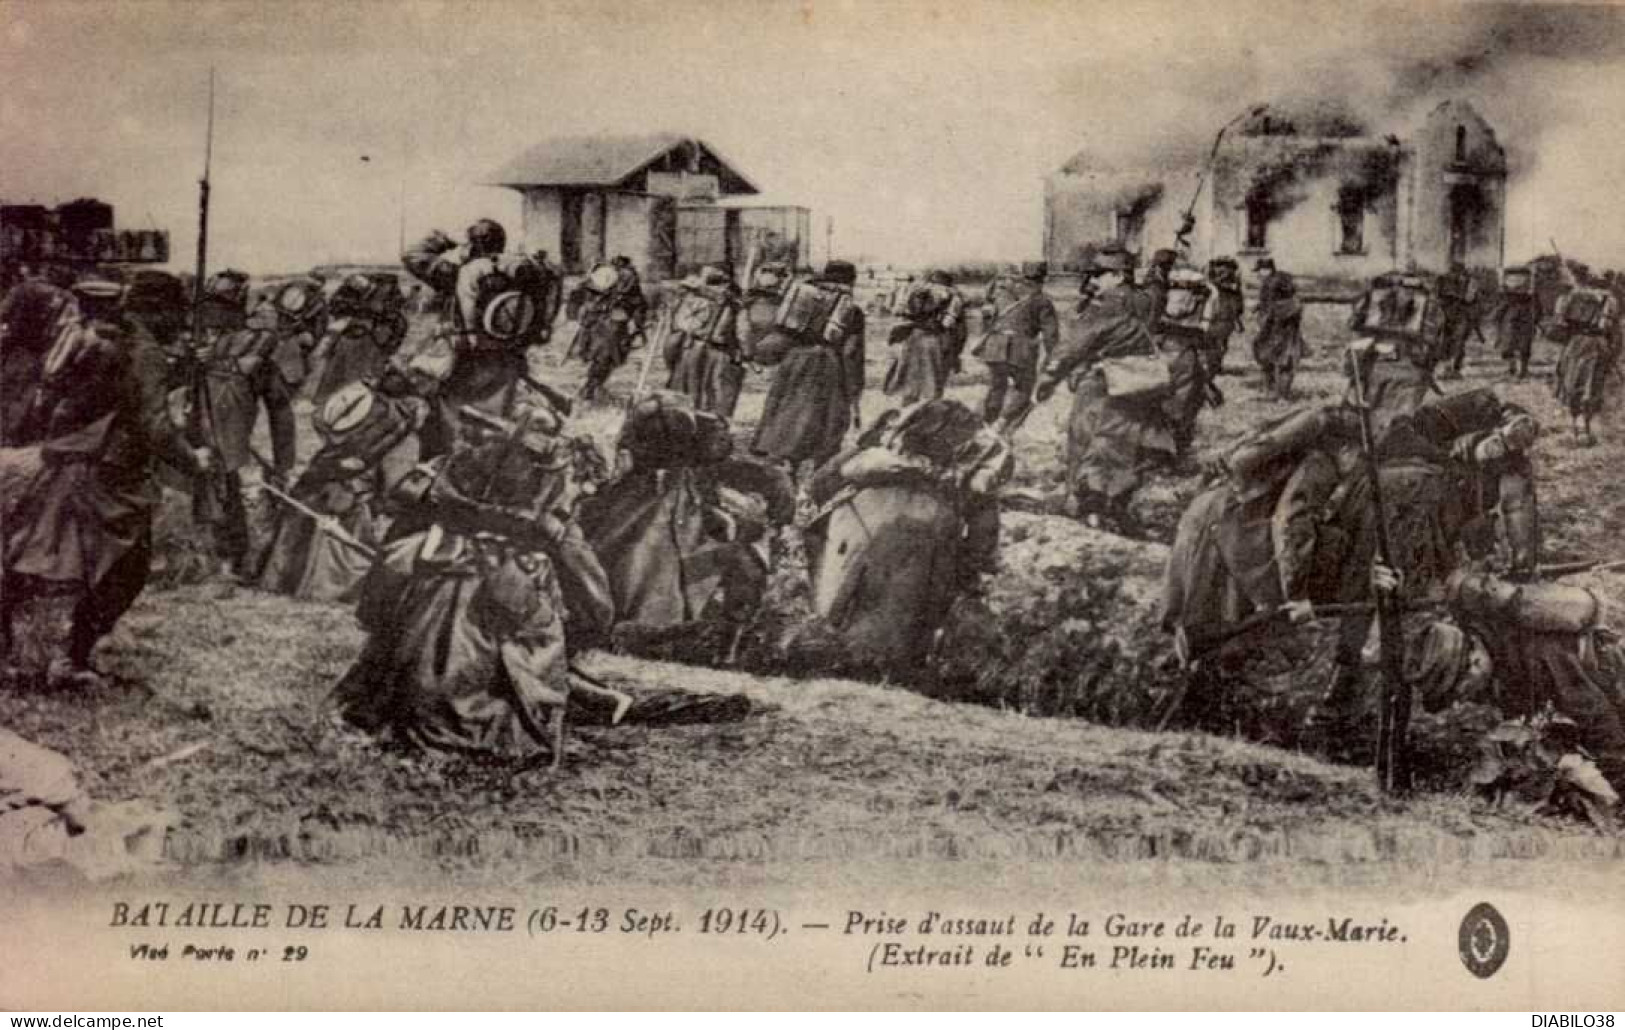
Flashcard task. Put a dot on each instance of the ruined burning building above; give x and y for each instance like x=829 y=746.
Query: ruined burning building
x=1314 y=191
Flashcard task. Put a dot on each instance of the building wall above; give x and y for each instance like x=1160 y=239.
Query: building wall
x=1085 y=209
x=644 y=228
x=1475 y=173
x=1304 y=232
x=542 y=221
x=1405 y=193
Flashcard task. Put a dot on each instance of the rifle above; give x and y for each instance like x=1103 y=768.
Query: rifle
x=1187 y=220
x=209 y=489
x=1394 y=711
x=1574 y=567
x=324 y=523
x=1191 y=649
x=649 y=349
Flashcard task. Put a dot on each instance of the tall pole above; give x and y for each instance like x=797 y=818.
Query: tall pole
x=401 y=243
x=203 y=219
x=829 y=238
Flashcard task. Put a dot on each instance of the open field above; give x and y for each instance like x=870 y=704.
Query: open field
x=825 y=775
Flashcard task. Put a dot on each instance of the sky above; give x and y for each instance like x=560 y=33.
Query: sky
x=922 y=130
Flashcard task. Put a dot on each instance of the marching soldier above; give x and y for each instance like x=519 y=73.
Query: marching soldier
x=930 y=317
x=30 y=316
x=1516 y=317
x=818 y=348
x=493 y=309
x=100 y=416
x=1120 y=386
x=246 y=365
x=609 y=308
x=1279 y=343
x=1455 y=292
x=1023 y=329
x=703 y=349
x=1224 y=313
x=365 y=328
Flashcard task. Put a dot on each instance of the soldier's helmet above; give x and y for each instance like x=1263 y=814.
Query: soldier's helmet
x=487 y=236
x=1112 y=258
x=940 y=277
x=1163 y=258
x=842 y=272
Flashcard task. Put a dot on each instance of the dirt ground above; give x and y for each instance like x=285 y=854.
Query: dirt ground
x=823 y=774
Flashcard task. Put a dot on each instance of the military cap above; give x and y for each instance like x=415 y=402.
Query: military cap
x=99 y=294
x=940 y=277
x=1035 y=271
x=1264 y=265
x=842 y=272
x=1164 y=258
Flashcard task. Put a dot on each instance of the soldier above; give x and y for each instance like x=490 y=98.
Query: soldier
x=818 y=347
x=369 y=446
x=908 y=522
x=365 y=328
x=1158 y=282
x=1455 y=293
x=1520 y=648
x=30 y=317
x=1589 y=318
x=681 y=531
x=609 y=309
x=467 y=647
x=1279 y=343
x=99 y=415
x=919 y=371
x=1120 y=385
x=1294 y=523
x=954 y=322
x=1516 y=317
x=702 y=346
x=492 y=310
x=1021 y=330
x=1224 y=312
x=246 y=365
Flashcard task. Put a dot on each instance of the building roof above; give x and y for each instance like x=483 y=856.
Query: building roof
x=606 y=161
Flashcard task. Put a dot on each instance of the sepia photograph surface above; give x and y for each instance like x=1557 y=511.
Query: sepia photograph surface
x=814 y=505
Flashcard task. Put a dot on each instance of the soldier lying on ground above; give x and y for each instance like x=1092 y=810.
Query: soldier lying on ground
x=1294 y=521
x=1516 y=647
x=908 y=521
x=681 y=532
x=369 y=446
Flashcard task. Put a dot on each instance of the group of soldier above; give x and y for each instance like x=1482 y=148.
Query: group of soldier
x=485 y=540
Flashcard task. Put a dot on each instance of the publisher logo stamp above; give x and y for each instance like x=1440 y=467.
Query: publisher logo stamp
x=1484 y=940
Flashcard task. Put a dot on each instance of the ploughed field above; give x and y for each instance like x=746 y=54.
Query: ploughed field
x=826 y=776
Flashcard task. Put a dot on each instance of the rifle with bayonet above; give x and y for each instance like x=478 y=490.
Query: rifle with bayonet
x=323 y=523
x=1187 y=220
x=211 y=487
x=1394 y=710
